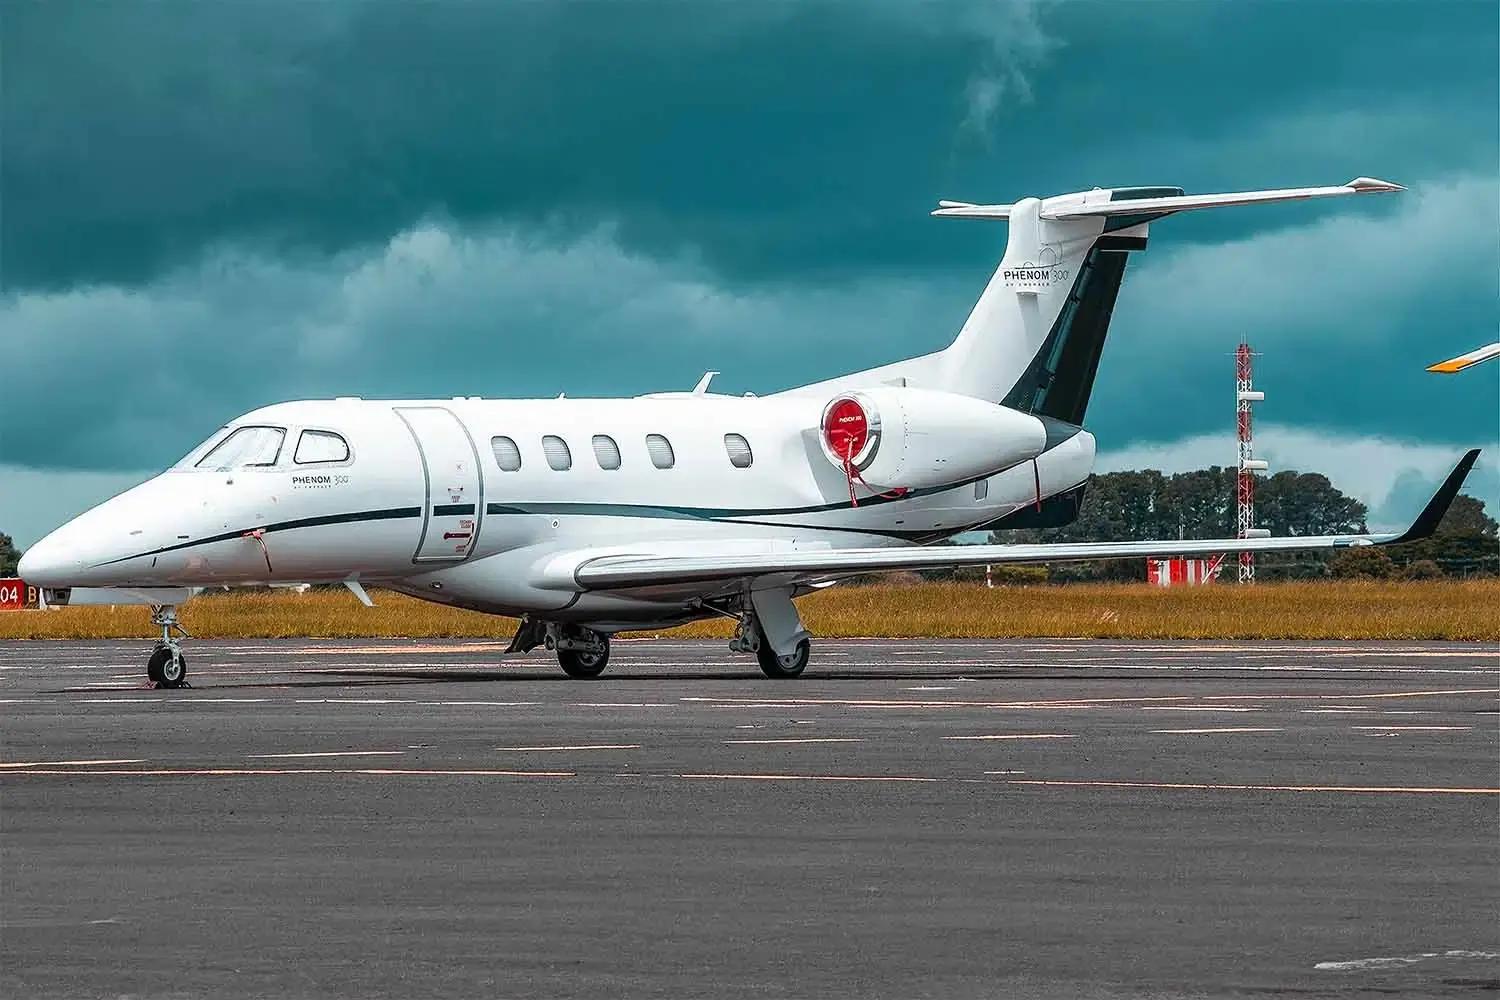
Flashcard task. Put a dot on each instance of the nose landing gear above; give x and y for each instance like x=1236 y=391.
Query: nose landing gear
x=167 y=667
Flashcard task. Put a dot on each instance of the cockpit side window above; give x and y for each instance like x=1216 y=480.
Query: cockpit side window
x=190 y=460
x=320 y=446
x=245 y=447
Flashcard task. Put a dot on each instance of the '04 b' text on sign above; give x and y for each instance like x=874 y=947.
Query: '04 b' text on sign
x=16 y=594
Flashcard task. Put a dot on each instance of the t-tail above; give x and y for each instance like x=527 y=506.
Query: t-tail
x=1034 y=338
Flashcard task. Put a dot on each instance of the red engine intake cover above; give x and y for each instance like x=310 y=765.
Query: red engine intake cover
x=846 y=428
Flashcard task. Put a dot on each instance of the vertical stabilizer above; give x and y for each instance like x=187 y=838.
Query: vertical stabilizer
x=1034 y=339
x=1022 y=335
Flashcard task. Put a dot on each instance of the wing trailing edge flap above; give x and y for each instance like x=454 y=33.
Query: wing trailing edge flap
x=601 y=571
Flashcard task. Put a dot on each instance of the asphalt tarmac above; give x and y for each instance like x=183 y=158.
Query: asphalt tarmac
x=910 y=819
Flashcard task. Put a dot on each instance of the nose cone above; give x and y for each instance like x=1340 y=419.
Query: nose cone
x=94 y=549
x=52 y=562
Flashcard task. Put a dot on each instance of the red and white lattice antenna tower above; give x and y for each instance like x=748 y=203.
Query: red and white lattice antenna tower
x=1244 y=396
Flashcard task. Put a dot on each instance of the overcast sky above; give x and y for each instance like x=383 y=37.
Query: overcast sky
x=208 y=207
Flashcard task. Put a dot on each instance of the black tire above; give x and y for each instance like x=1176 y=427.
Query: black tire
x=576 y=663
x=783 y=666
x=153 y=664
x=164 y=670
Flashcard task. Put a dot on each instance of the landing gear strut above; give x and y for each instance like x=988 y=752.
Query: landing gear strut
x=167 y=667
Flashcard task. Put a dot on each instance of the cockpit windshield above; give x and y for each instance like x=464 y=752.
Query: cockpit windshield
x=245 y=447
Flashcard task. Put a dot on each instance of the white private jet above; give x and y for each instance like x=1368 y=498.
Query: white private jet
x=584 y=517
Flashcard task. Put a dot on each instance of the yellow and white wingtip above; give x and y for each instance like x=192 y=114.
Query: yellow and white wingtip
x=1463 y=361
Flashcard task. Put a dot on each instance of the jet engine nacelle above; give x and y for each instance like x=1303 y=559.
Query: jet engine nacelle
x=896 y=437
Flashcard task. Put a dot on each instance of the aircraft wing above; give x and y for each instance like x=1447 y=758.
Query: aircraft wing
x=626 y=570
x=1463 y=361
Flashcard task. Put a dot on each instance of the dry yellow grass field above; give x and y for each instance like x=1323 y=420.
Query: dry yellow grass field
x=1326 y=610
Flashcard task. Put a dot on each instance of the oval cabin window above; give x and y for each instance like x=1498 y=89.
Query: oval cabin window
x=507 y=455
x=739 y=451
x=556 y=450
x=660 y=450
x=606 y=451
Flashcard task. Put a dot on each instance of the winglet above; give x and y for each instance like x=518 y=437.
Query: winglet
x=1463 y=361
x=1427 y=521
x=1371 y=185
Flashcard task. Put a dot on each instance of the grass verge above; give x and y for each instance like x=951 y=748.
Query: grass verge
x=1455 y=610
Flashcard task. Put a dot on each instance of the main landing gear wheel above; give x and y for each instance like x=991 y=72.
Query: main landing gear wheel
x=584 y=663
x=167 y=667
x=790 y=665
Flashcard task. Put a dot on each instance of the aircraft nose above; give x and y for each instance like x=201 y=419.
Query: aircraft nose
x=50 y=563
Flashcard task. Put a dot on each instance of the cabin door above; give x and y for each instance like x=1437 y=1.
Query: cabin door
x=454 y=503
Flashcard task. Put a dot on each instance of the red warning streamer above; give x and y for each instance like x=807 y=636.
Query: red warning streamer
x=259 y=534
x=847 y=430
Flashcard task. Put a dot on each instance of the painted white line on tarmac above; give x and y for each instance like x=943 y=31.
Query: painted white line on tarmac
x=1232 y=729
x=813 y=777
x=1416 y=729
x=1395 y=961
x=70 y=763
x=326 y=753
x=1017 y=736
x=260 y=772
x=810 y=739
x=580 y=746
x=1190 y=786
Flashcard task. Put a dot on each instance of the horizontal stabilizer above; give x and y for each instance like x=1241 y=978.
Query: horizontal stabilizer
x=620 y=571
x=1125 y=201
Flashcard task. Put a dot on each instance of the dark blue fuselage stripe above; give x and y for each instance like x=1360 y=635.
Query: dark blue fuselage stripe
x=453 y=509
x=389 y=514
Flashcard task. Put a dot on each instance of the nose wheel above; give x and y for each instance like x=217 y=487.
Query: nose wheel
x=167 y=667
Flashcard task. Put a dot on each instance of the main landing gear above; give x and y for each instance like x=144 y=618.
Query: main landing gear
x=581 y=651
x=167 y=667
x=750 y=637
x=770 y=628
